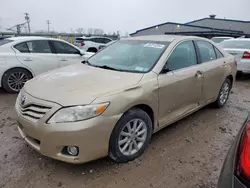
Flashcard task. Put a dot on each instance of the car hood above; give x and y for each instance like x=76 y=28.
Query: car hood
x=79 y=84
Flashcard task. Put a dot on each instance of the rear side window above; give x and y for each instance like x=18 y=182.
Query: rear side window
x=4 y=41
x=207 y=52
x=183 y=56
x=218 y=53
x=64 y=48
x=39 y=46
x=22 y=47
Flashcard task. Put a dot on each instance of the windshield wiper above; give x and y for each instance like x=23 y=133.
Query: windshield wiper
x=107 y=67
x=86 y=62
x=102 y=67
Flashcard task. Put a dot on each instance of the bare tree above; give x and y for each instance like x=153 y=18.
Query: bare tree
x=98 y=32
x=90 y=31
x=80 y=30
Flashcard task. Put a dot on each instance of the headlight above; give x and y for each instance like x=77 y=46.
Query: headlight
x=77 y=113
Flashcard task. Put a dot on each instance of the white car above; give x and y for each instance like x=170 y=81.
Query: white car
x=22 y=58
x=240 y=48
x=220 y=39
x=92 y=44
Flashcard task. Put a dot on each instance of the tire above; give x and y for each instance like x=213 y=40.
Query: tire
x=11 y=75
x=223 y=94
x=132 y=117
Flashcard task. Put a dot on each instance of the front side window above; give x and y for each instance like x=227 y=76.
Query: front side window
x=106 y=40
x=183 y=56
x=39 y=46
x=64 y=48
x=99 y=40
x=22 y=47
x=130 y=55
x=207 y=52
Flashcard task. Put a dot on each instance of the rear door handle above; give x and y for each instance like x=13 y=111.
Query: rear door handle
x=27 y=59
x=224 y=64
x=199 y=74
x=63 y=59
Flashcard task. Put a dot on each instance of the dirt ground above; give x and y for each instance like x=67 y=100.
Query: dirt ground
x=189 y=153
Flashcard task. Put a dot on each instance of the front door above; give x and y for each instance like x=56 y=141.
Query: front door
x=37 y=55
x=180 y=88
x=67 y=54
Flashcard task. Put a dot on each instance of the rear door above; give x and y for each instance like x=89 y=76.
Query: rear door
x=180 y=88
x=67 y=54
x=213 y=66
x=37 y=55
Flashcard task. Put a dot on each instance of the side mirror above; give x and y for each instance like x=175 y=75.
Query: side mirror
x=165 y=69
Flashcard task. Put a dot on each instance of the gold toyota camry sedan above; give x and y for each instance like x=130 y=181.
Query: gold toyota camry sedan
x=111 y=104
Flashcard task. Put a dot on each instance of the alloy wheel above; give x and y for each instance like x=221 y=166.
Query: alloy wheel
x=224 y=93
x=132 y=137
x=17 y=80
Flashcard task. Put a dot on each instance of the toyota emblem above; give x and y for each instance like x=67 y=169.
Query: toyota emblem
x=22 y=100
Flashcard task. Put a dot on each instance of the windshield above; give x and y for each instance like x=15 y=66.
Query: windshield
x=238 y=44
x=130 y=55
x=4 y=41
x=219 y=40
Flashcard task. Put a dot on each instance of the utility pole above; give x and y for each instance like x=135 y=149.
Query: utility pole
x=27 y=18
x=48 y=22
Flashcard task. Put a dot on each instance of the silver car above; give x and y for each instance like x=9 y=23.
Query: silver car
x=240 y=48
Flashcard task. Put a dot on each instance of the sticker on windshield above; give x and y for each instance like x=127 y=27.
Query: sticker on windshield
x=153 y=45
x=139 y=68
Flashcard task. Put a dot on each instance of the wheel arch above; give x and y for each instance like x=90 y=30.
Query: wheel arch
x=12 y=68
x=146 y=108
x=92 y=48
x=230 y=77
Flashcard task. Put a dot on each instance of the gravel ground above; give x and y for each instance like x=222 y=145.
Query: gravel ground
x=189 y=153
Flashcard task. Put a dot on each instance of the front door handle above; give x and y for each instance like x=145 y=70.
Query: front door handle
x=63 y=59
x=27 y=59
x=199 y=74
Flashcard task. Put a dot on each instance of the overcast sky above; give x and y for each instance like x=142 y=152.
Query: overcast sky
x=113 y=15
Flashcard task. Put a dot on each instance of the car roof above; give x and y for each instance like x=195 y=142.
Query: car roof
x=165 y=38
x=93 y=37
x=26 y=38
x=239 y=39
x=224 y=37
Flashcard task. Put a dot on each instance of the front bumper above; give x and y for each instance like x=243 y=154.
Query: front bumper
x=91 y=136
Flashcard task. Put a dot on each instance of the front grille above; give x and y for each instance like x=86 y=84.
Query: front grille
x=34 y=112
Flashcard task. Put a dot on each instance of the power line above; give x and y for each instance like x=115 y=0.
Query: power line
x=48 y=22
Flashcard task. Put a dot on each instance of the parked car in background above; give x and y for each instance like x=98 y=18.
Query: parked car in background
x=220 y=39
x=106 y=45
x=22 y=58
x=114 y=102
x=92 y=44
x=235 y=172
x=240 y=48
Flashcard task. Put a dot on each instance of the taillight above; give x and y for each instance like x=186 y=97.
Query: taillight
x=246 y=55
x=243 y=159
x=82 y=43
